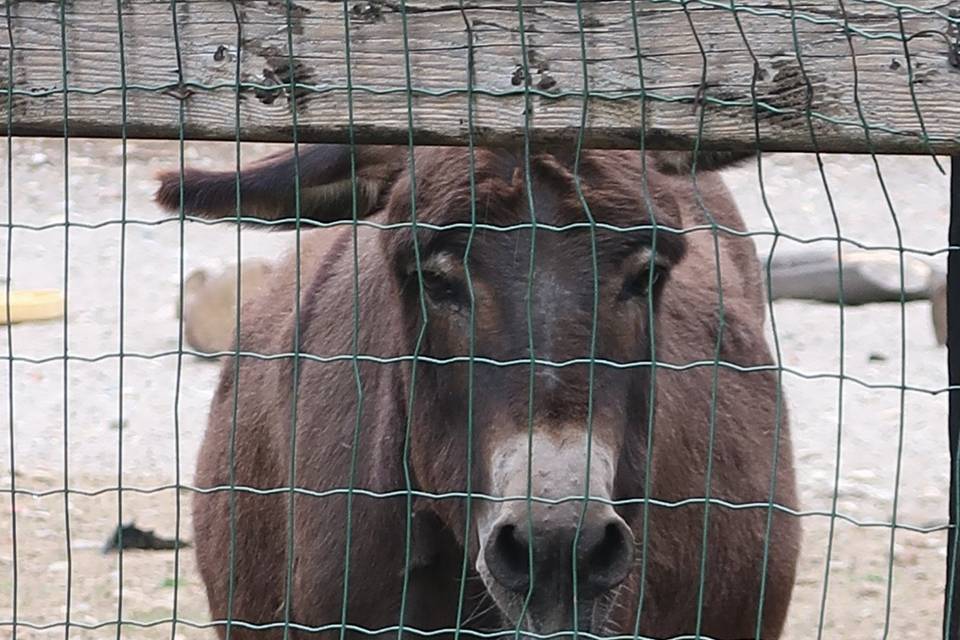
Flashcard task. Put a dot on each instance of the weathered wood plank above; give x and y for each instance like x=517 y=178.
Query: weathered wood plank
x=203 y=78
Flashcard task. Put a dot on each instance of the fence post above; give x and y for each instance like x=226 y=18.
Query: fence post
x=952 y=591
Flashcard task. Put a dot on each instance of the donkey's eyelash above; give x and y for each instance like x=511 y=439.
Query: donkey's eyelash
x=438 y=286
x=641 y=281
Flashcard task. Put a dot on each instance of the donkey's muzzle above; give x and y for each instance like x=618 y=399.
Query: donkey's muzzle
x=524 y=548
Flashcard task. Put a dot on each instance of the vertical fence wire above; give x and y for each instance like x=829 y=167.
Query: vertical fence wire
x=238 y=293
x=903 y=316
x=424 y=316
x=594 y=320
x=62 y=16
x=650 y=210
x=355 y=336
x=767 y=277
x=8 y=277
x=808 y=117
x=121 y=320
x=297 y=326
x=721 y=317
x=531 y=379
x=181 y=259
x=471 y=338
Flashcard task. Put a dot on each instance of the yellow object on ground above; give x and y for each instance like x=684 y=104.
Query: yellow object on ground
x=26 y=306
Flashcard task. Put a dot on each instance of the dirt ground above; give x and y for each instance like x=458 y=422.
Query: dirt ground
x=66 y=434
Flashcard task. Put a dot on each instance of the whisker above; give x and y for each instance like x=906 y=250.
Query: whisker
x=479 y=611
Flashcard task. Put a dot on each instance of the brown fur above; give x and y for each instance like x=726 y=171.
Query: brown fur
x=687 y=327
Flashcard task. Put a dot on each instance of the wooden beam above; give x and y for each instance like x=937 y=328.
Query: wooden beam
x=694 y=58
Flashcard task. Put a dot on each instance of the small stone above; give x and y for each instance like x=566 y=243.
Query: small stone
x=84 y=544
x=871 y=589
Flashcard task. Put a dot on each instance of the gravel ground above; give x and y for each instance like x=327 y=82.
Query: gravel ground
x=891 y=446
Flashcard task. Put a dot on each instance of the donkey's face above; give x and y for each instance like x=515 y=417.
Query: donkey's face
x=529 y=415
x=532 y=305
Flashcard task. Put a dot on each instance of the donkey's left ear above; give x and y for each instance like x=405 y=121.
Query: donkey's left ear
x=268 y=188
x=682 y=162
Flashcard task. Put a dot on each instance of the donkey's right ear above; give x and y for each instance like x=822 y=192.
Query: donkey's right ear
x=268 y=188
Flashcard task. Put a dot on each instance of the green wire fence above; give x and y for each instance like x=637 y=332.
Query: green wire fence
x=200 y=79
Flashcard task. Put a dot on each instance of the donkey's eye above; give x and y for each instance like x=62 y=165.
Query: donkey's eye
x=640 y=284
x=442 y=288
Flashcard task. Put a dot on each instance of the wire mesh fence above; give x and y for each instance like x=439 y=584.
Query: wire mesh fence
x=577 y=338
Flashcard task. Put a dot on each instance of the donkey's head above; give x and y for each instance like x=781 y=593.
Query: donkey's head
x=553 y=288
x=529 y=289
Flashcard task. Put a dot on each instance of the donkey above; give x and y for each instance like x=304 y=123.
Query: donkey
x=505 y=415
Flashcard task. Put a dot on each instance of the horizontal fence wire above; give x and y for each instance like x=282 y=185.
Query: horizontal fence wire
x=499 y=363
x=851 y=242
x=865 y=76
x=482 y=497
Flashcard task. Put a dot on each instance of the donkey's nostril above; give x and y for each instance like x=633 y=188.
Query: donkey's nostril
x=605 y=555
x=508 y=557
x=608 y=550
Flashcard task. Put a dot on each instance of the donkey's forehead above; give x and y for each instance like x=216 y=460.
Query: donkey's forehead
x=506 y=185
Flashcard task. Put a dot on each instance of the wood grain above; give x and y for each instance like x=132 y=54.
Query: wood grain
x=698 y=74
